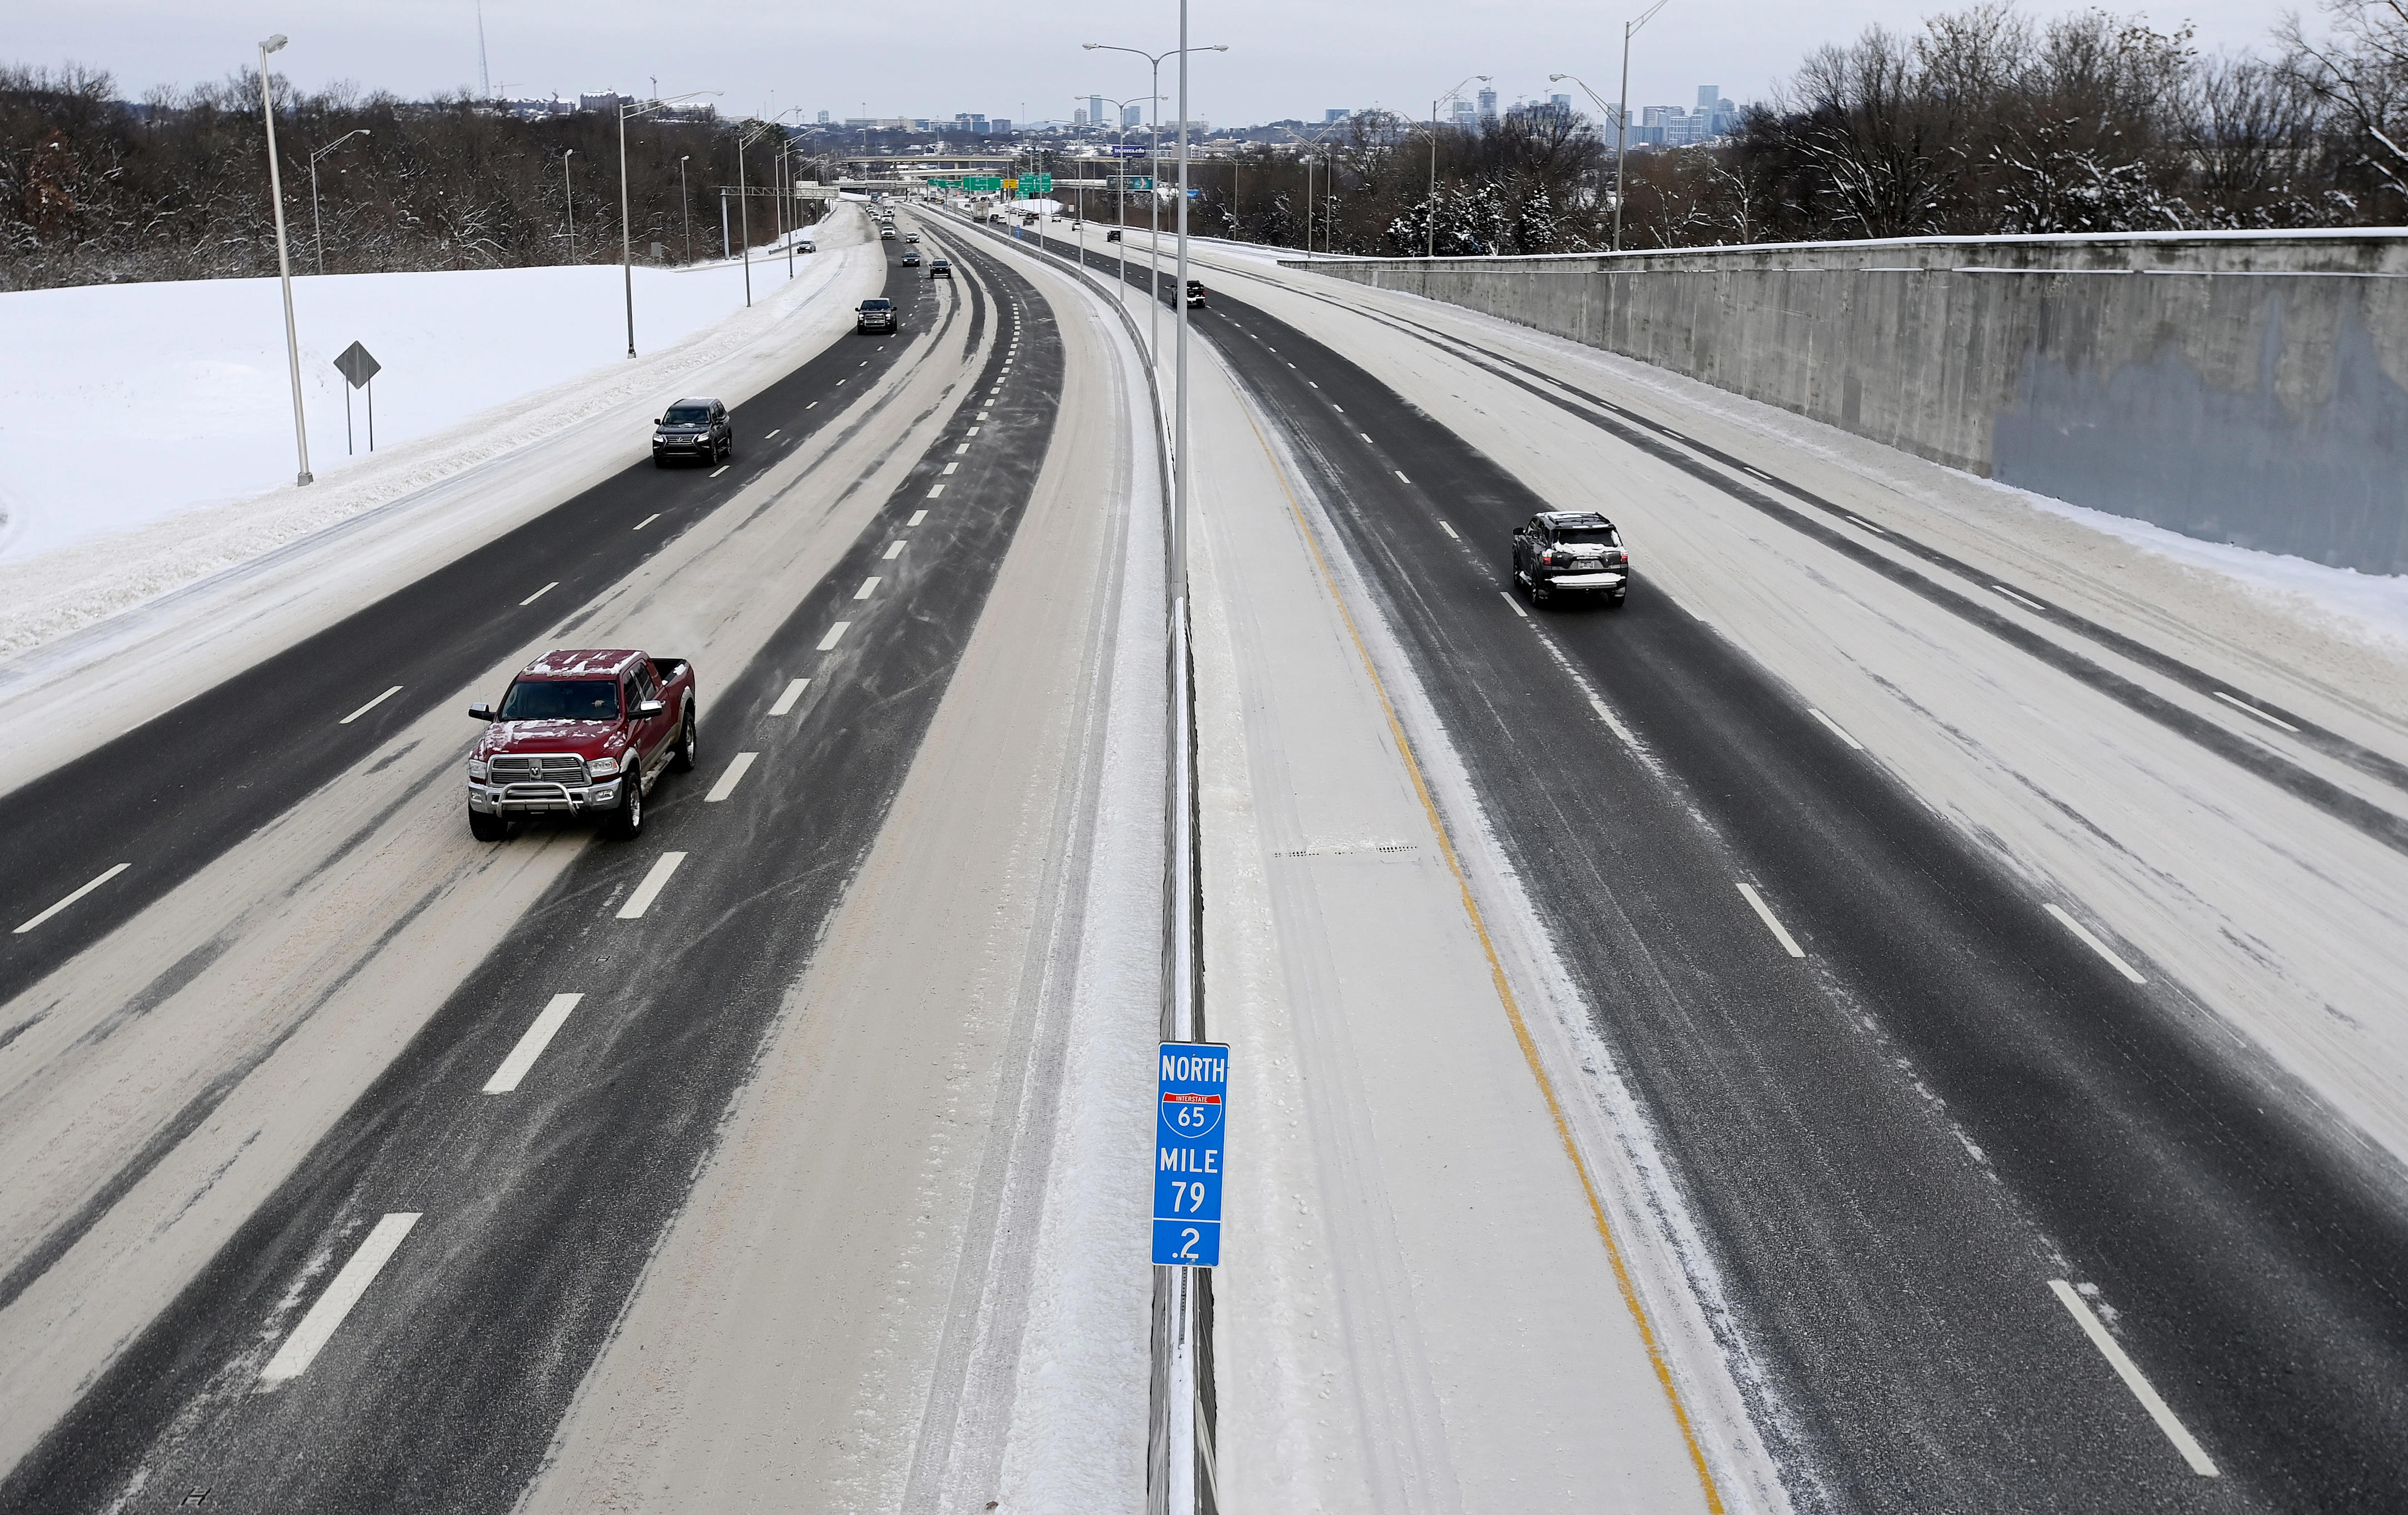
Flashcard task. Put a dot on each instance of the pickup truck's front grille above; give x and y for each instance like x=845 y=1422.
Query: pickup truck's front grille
x=536 y=767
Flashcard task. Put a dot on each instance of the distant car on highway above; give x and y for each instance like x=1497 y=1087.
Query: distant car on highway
x=910 y=260
x=1571 y=551
x=581 y=732
x=910 y=237
x=694 y=428
x=1195 y=295
x=940 y=268
x=874 y=315
x=1112 y=235
x=886 y=234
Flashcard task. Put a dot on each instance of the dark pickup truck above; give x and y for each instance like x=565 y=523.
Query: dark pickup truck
x=580 y=731
x=874 y=316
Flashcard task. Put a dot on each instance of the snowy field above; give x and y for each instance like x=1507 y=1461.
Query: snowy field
x=125 y=404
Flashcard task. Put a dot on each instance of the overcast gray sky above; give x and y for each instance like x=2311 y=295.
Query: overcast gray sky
x=937 y=57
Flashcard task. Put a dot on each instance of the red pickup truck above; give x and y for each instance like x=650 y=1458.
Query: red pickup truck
x=591 y=729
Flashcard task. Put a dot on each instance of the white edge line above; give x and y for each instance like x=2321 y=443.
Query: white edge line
x=540 y=594
x=836 y=635
x=721 y=469
x=369 y=706
x=728 y=781
x=2129 y=1371
x=71 y=899
x=650 y=889
x=1449 y=530
x=537 y=1037
x=1788 y=942
x=2097 y=946
x=1401 y=474
x=2244 y=704
x=794 y=692
x=1605 y=713
x=647 y=521
x=2018 y=598
x=1514 y=605
x=319 y=1325
x=1867 y=524
x=1835 y=728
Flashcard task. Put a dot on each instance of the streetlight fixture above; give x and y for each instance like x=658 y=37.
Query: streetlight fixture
x=629 y=109
x=744 y=205
x=685 y=204
x=317 y=226
x=1622 y=112
x=1154 y=156
x=283 y=257
x=1120 y=214
x=1433 y=189
x=1328 y=177
x=570 y=192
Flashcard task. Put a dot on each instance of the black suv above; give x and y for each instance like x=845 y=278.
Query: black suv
x=1571 y=550
x=940 y=268
x=1195 y=295
x=694 y=428
x=874 y=316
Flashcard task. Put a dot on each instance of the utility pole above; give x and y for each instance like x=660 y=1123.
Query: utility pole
x=283 y=257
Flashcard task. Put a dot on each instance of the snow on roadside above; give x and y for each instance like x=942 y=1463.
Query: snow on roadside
x=524 y=354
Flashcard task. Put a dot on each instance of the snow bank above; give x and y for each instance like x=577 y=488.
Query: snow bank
x=124 y=403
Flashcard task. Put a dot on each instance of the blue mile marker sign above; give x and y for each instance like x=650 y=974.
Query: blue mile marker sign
x=1191 y=1128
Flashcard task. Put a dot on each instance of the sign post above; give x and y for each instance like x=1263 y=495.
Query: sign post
x=1190 y=1132
x=358 y=368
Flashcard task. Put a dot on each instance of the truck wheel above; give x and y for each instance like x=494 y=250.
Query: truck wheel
x=1614 y=603
x=628 y=820
x=683 y=760
x=487 y=828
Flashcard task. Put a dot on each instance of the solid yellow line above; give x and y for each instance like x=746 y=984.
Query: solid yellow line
x=1505 y=996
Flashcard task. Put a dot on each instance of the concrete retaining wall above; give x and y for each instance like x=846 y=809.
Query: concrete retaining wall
x=2237 y=387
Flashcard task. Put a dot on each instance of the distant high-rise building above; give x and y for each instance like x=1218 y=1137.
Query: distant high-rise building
x=1328 y=116
x=1707 y=96
x=1132 y=116
x=1466 y=113
x=824 y=118
x=1096 y=108
x=1488 y=105
x=1078 y=117
x=1561 y=102
x=601 y=100
x=999 y=126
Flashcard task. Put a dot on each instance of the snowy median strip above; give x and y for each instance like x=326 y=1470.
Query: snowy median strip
x=318 y=1327
x=70 y=899
x=548 y=1022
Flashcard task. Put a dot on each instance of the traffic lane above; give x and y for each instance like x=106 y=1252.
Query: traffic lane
x=167 y=797
x=2223 y=1218
x=536 y=1205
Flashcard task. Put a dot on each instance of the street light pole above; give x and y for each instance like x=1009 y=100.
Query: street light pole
x=317 y=226
x=568 y=192
x=628 y=108
x=283 y=258
x=685 y=204
x=1154 y=161
x=1622 y=114
x=1433 y=189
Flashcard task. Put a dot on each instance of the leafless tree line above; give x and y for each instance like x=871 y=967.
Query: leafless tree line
x=94 y=189
x=1986 y=121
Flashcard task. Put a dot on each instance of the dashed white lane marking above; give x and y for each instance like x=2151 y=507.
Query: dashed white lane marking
x=1758 y=472
x=935 y=489
x=1449 y=530
x=318 y=1327
x=2129 y=1371
x=1340 y=409
x=1866 y=524
x=369 y=706
x=1401 y=474
x=1605 y=713
x=2097 y=946
x=548 y=1022
x=2018 y=598
x=836 y=635
x=983 y=415
x=648 y=521
x=1835 y=729
x=1514 y=605
x=972 y=432
x=721 y=469
x=650 y=889
x=1310 y=384
x=865 y=362
x=71 y=899
x=917 y=517
x=951 y=467
x=959 y=450
x=2244 y=705
x=869 y=587
x=793 y=691
x=728 y=781
x=540 y=594
x=1764 y=913
x=894 y=551
x=814 y=406
x=773 y=434
x=1367 y=437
